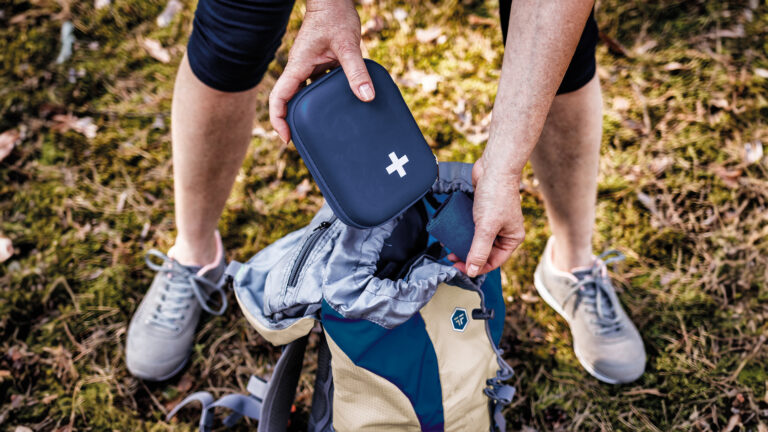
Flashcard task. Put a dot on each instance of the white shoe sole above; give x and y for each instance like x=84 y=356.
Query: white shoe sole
x=545 y=294
x=147 y=377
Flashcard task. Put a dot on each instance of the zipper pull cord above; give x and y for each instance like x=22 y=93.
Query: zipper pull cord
x=323 y=225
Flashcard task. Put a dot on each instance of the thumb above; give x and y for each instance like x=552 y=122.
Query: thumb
x=482 y=243
x=351 y=60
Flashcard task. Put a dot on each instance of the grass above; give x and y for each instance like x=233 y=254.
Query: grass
x=685 y=89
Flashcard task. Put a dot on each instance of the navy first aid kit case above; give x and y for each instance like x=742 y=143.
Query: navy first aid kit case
x=369 y=159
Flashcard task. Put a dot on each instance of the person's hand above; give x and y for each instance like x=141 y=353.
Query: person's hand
x=498 y=219
x=329 y=36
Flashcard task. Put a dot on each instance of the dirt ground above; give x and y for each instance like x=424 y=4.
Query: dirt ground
x=86 y=191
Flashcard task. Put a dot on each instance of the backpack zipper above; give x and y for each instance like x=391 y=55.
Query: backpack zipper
x=304 y=252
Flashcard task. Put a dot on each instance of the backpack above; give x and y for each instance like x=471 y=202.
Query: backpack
x=408 y=342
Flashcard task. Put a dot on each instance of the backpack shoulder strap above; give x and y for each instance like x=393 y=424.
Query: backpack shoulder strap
x=321 y=415
x=241 y=405
x=268 y=402
x=282 y=387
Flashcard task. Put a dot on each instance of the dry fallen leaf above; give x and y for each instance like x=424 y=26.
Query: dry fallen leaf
x=762 y=73
x=263 y=133
x=734 y=421
x=478 y=20
x=372 y=26
x=6 y=248
x=428 y=35
x=159 y=122
x=171 y=9
x=634 y=125
x=48 y=399
x=621 y=103
x=666 y=278
x=673 y=66
x=121 y=201
x=720 y=103
x=303 y=189
x=475 y=133
x=761 y=427
x=660 y=164
x=729 y=176
x=101 y=4
x=645 y=47
x=642 y=391
x=400 y=14
x=155 y=50
x=67 y=122
x=185 y=383
x=613 y=45
x=649 y=202
x=8 y=141
x=753 y=152
x=22 y=429
x=535 y=334
x=427 y=82
x=529 y=298
x=736 y=32
x=765 y=395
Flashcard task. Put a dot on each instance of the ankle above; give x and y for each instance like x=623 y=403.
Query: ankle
x=566 y=257
x=197 y=251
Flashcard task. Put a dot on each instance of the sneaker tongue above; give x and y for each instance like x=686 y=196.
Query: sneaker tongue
x=193 y=269
x=581 y=272
x=605 y=303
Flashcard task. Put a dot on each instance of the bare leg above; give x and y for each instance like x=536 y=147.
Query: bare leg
x=210 y=133
x=565 y=161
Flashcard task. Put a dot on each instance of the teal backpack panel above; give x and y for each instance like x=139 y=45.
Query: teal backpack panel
x=403 y=355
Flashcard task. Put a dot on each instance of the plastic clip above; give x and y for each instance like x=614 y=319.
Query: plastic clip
x=482 y=314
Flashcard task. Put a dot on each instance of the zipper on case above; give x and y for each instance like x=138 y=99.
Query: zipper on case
x=304 y=252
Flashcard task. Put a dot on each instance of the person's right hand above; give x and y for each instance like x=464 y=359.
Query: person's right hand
x=329 y=36
x=498 y=218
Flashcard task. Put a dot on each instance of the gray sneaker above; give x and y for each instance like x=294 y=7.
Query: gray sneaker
x=162 y=329
x=605 y=341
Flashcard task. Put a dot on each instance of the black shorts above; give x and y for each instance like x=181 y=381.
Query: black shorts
x=583 y=65
x=233 y=42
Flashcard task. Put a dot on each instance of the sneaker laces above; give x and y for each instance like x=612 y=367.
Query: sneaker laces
x=593 y=290
x=181 y=285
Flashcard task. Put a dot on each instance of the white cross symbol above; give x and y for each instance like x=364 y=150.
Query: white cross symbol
x=397 y=164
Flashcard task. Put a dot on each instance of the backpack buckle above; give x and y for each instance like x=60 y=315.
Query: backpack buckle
x=482 y=314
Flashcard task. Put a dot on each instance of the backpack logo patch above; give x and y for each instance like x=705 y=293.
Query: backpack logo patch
x=459 y=319
x=397 y=164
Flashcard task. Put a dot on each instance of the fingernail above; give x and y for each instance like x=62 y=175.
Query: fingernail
x=366 y=92
x=472 y=270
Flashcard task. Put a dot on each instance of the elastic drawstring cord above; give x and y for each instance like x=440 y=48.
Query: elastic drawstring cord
x=501 y=394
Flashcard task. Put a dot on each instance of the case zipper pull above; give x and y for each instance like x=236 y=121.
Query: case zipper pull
x=437 y=162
